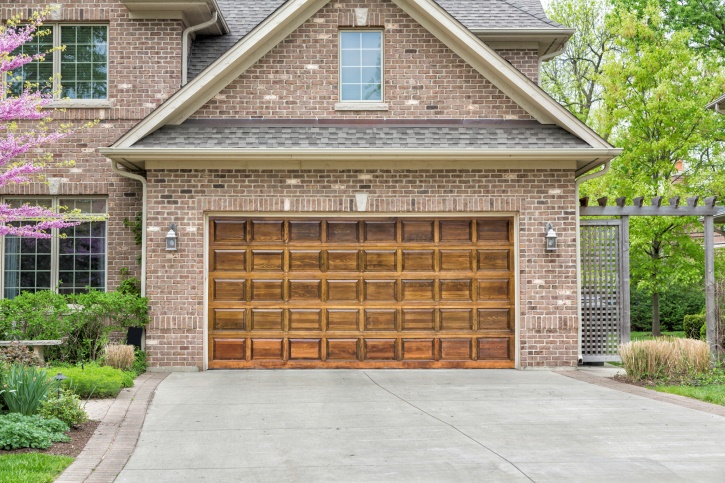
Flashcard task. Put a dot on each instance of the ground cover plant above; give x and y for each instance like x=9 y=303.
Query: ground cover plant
x=92 y=380
x=20 y=431
x=32 y=467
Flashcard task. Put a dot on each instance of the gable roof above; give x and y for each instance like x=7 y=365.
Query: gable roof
x=429 y=14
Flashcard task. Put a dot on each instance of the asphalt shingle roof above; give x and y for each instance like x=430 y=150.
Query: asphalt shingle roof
x=231 y=134
x=243 y=16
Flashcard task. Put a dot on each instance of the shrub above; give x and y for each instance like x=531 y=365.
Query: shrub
x=65 y=406
x=93 y=380
x=18 y=354
x=139 y=362
x=675 y=303
x=664 y=358
x=25 y=388
x=691 y=325
x=20 y=431
x=34 y=316
x=119 y=356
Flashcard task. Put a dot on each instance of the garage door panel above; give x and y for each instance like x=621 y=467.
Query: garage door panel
x=380 y=349
x=418 y=230
x=343 y=260
x=343 y=232
x=305 y=231
x=418 y=349
x=494 y=230
x=456 y=319
x=305 y=260
x=381 y=320
x=267 y=349
x=418 y=260
x=267 y=260
x=305 y=290
x=267 y=231
x=305 y=349
x=380 y=231
x=456 y=290
x=267 y=290
x=456 y=231
x=229 y=319
x=229 y=260
x=305 y=319
x=229 y=349
x=494 y=260
x=343 y=290
x=380 y=290
x=418 y=290
x=494 y=319
x=455 y=349
x=225 y=290
x=343 y=320
x=267 y=319
x=418 y=319
x=495 y=348
x=380 y=260
x=229 y=231
x=456 y=260
x=342 y=349
x=494 y=290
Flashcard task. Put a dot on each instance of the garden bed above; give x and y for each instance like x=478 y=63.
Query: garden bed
x=79 y=438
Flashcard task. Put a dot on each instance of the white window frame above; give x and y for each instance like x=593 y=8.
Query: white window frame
x=54 y=241
x=380 y=103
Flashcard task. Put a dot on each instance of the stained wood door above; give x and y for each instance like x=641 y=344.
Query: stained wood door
x=361 y=293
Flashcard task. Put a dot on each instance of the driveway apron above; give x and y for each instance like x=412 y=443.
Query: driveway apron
x=417 y=425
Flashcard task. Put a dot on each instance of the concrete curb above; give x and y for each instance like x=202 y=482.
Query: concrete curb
x=609 y=383
x=111 y=445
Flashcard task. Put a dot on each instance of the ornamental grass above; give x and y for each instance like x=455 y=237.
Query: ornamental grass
x=119 y=356
x=665 y=358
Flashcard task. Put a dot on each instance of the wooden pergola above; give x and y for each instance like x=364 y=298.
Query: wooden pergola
x=706 y=212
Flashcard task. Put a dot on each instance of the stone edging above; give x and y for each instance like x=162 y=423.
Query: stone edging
x=610 y=383
x=111 y=445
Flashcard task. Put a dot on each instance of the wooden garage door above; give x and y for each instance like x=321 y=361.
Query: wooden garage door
x=378 y=292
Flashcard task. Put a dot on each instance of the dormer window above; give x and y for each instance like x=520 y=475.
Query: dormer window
x=361 y=66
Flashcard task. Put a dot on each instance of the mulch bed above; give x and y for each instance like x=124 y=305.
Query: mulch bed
x=79 y=438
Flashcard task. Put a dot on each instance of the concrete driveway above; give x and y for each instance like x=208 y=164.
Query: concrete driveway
x=416 y=425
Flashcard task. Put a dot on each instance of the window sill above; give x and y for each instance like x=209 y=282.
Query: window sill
x=81 y=104
x=361 y=106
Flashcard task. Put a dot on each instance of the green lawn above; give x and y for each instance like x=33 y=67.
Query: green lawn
x=648 y=335
x=713 y=393
x=32 y=467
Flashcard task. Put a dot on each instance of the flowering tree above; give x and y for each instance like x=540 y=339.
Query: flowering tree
x=19 y=137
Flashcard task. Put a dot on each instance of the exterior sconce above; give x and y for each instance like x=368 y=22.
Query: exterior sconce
x=550 y=238
x=171 y=238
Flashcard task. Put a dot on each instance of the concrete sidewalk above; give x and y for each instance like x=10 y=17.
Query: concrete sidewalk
x=437 y=425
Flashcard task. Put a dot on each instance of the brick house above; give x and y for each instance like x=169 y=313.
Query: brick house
x=352 y=183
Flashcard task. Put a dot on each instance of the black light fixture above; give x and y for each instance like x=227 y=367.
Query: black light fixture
x=60 y=378
x=172 y=238
x=550 y=238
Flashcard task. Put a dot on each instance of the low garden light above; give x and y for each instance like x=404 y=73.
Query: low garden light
x=60 y=378
x=550 y=238
x=172 y=238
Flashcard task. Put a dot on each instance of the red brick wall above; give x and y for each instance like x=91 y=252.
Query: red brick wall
x=547 y=280
x=423 y=78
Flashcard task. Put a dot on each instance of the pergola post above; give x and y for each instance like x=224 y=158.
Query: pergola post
x=624 y=250
x=710 y=319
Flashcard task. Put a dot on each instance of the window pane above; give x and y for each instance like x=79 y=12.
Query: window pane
x=371 y=92
x=361 y=66
x=371 y=58
x=370 y=40
x=39 y=73
x=82 y=262
x=351 y=92
x=84 y=63
x=350 y=40
x=351 y=58
x=371 y=75
x=27 y=265
x=351 y=75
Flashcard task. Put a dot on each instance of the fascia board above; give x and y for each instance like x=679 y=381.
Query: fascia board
x=502 y=74
x=225 y=69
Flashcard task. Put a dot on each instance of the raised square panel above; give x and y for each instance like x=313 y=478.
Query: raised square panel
x=418 y=260
x=493 y=230
x=304 y=349
x=380 y=261
x=229 y=261
x=380 y=349
x=305 y=231
x=418 y=231
x=456 y=260
x=300 y=319
x=305 y=290
x=493 y=260
x=229 y=349
x=342 y=320
x=456 y=319
x=304 y=260
x=267 y=349
x=494 y=319
x=455 y=230
x=493 y=289
x=268 y=260
x=380 y=290
x=267 y=231
x=423 y=319
x=342 y=349
x=494 y=349
x=380 y=320
x=229 y=290
x=418 y=290
x=342 y=261
x=229 y=231
x=456 y=290
x=267 y=319
x=343 y=290
x=267 y=290
x=380 y=231
x=455 y=349
x=418 y=350
x=342 y=231
x=228 y=319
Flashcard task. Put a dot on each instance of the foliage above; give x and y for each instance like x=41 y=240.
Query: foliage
x=18 y=354
x=65 y=406
x=136 y=227
x=664 y=358
x=25 y=388
x=93 y=380
x=711 y=394
x=675 y=303
x=35 y=467
x=139 y=362
x=703 y=332
x=19 y=138
x=692 y=325
x=41 y=315
x=119 y=356
x=129 y=285
x=21 y=431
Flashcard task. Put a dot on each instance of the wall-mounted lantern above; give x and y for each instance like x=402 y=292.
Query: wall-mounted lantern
x=550 y=238
x=172 y=238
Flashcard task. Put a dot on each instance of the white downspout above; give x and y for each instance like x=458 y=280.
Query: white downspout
x=578 y=183
x=138 y=177
x=185 y=45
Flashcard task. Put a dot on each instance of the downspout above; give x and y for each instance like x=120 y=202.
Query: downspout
x=578 y=183
x=138 y=177
x=185 y=45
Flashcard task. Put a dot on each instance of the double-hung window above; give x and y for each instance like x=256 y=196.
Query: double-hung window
x=361 y=65
x=77 y=71
x=72 y=262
